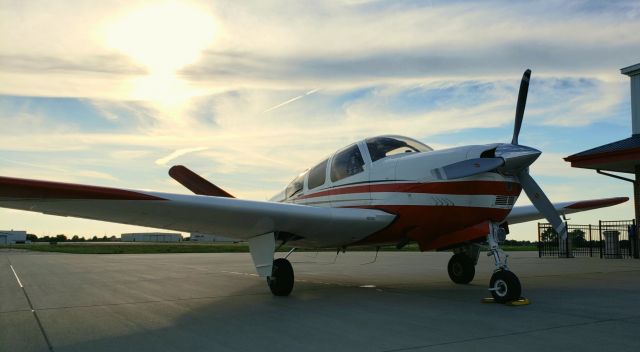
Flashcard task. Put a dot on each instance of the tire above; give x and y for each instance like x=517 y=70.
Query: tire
x=281 y=280
x=505 y=286
x=461 y=269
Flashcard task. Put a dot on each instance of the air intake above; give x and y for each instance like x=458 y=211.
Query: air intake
x=505 y=201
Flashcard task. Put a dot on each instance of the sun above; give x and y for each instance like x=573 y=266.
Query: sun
x=163 y=37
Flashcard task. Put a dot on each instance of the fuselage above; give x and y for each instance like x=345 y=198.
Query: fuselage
x=395 y=174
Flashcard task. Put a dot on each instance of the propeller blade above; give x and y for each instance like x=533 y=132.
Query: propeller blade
x=522 y=102
x=466 y=168
x=542 y=203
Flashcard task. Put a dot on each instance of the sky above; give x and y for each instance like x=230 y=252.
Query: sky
x=250 y=93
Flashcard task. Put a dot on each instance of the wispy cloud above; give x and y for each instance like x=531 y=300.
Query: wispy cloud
x=178 y=153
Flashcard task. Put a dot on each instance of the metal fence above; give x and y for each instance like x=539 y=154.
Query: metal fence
x=608 y=239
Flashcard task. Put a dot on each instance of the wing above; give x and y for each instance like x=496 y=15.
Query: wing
x=242 y=219
x=529 y=212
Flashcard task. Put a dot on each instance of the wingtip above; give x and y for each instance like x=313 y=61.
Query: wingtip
x=20 y=188
x=176 y=169
x=598 y=203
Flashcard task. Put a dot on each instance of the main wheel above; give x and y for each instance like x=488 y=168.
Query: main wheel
x=505 y=286
x=461 y=269
x=281 y=279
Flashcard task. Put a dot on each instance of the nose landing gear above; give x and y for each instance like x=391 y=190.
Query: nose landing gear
x=504 y=285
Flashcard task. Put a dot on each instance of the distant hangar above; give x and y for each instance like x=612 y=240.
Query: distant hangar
x=171 y=237
x=151 y=237
x=12 y=237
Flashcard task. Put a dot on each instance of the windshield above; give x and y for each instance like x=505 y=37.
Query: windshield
x=384 y=146
x=295 y=186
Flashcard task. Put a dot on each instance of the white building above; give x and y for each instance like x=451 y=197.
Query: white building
x=12 y=237
x=203 y=237
x=151 y=237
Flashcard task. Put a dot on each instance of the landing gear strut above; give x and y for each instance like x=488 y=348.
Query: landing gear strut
x=504 y=285
x=281 y=280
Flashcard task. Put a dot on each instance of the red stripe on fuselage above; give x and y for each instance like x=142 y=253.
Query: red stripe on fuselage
x=460 y=187
x=34 y=189
x=426 y=223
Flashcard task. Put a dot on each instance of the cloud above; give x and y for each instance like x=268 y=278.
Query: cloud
x=333 y=43
x=104 y=64
x=393 y=43
x=440 y=71
x=178 y=153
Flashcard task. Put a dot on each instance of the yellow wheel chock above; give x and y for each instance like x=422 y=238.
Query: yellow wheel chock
x=518 y=302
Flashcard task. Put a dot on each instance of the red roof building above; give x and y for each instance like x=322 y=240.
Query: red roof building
x=623 y=155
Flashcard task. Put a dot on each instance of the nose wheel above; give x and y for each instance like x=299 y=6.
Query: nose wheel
x=505 y=286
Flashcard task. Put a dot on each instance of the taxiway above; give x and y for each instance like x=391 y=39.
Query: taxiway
x=402 y=302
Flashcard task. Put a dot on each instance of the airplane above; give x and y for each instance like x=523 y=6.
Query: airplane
x=384 y=190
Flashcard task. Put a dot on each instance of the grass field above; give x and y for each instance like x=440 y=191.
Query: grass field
x=141 y=248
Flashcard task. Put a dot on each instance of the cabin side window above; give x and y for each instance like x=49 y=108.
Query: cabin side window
x=317 y=175
x=295 y=186
x=347 y=163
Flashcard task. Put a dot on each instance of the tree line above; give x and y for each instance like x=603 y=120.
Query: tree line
x=64 y=238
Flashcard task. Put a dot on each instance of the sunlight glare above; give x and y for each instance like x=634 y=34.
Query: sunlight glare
x=163 y=37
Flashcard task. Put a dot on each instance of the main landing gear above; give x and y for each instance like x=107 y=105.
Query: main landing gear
x=504 y=285
x=281 y=280
x=462 y=266
x=279 y=272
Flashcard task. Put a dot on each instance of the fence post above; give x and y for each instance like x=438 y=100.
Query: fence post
x=600 y=231
x=634 y=240
x=590 y=243
x=539 y=242
x=567 y=241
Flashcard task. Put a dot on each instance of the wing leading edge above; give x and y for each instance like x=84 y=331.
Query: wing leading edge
x=242 y=219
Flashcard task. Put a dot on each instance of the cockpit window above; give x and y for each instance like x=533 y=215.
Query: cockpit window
x=382 y=147
x=317 y=175
x=295 y=186
x=347 y=163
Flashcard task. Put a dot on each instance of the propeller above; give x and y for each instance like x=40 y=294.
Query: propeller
x=522 y=102
x=529 y=185
x=542 y=203
x=512 y=159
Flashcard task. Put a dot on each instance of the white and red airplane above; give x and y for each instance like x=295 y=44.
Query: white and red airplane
x=386 y=190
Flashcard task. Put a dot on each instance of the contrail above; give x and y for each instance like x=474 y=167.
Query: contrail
x=291 y=100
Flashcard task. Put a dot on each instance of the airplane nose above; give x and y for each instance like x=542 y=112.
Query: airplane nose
x=516 y=157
